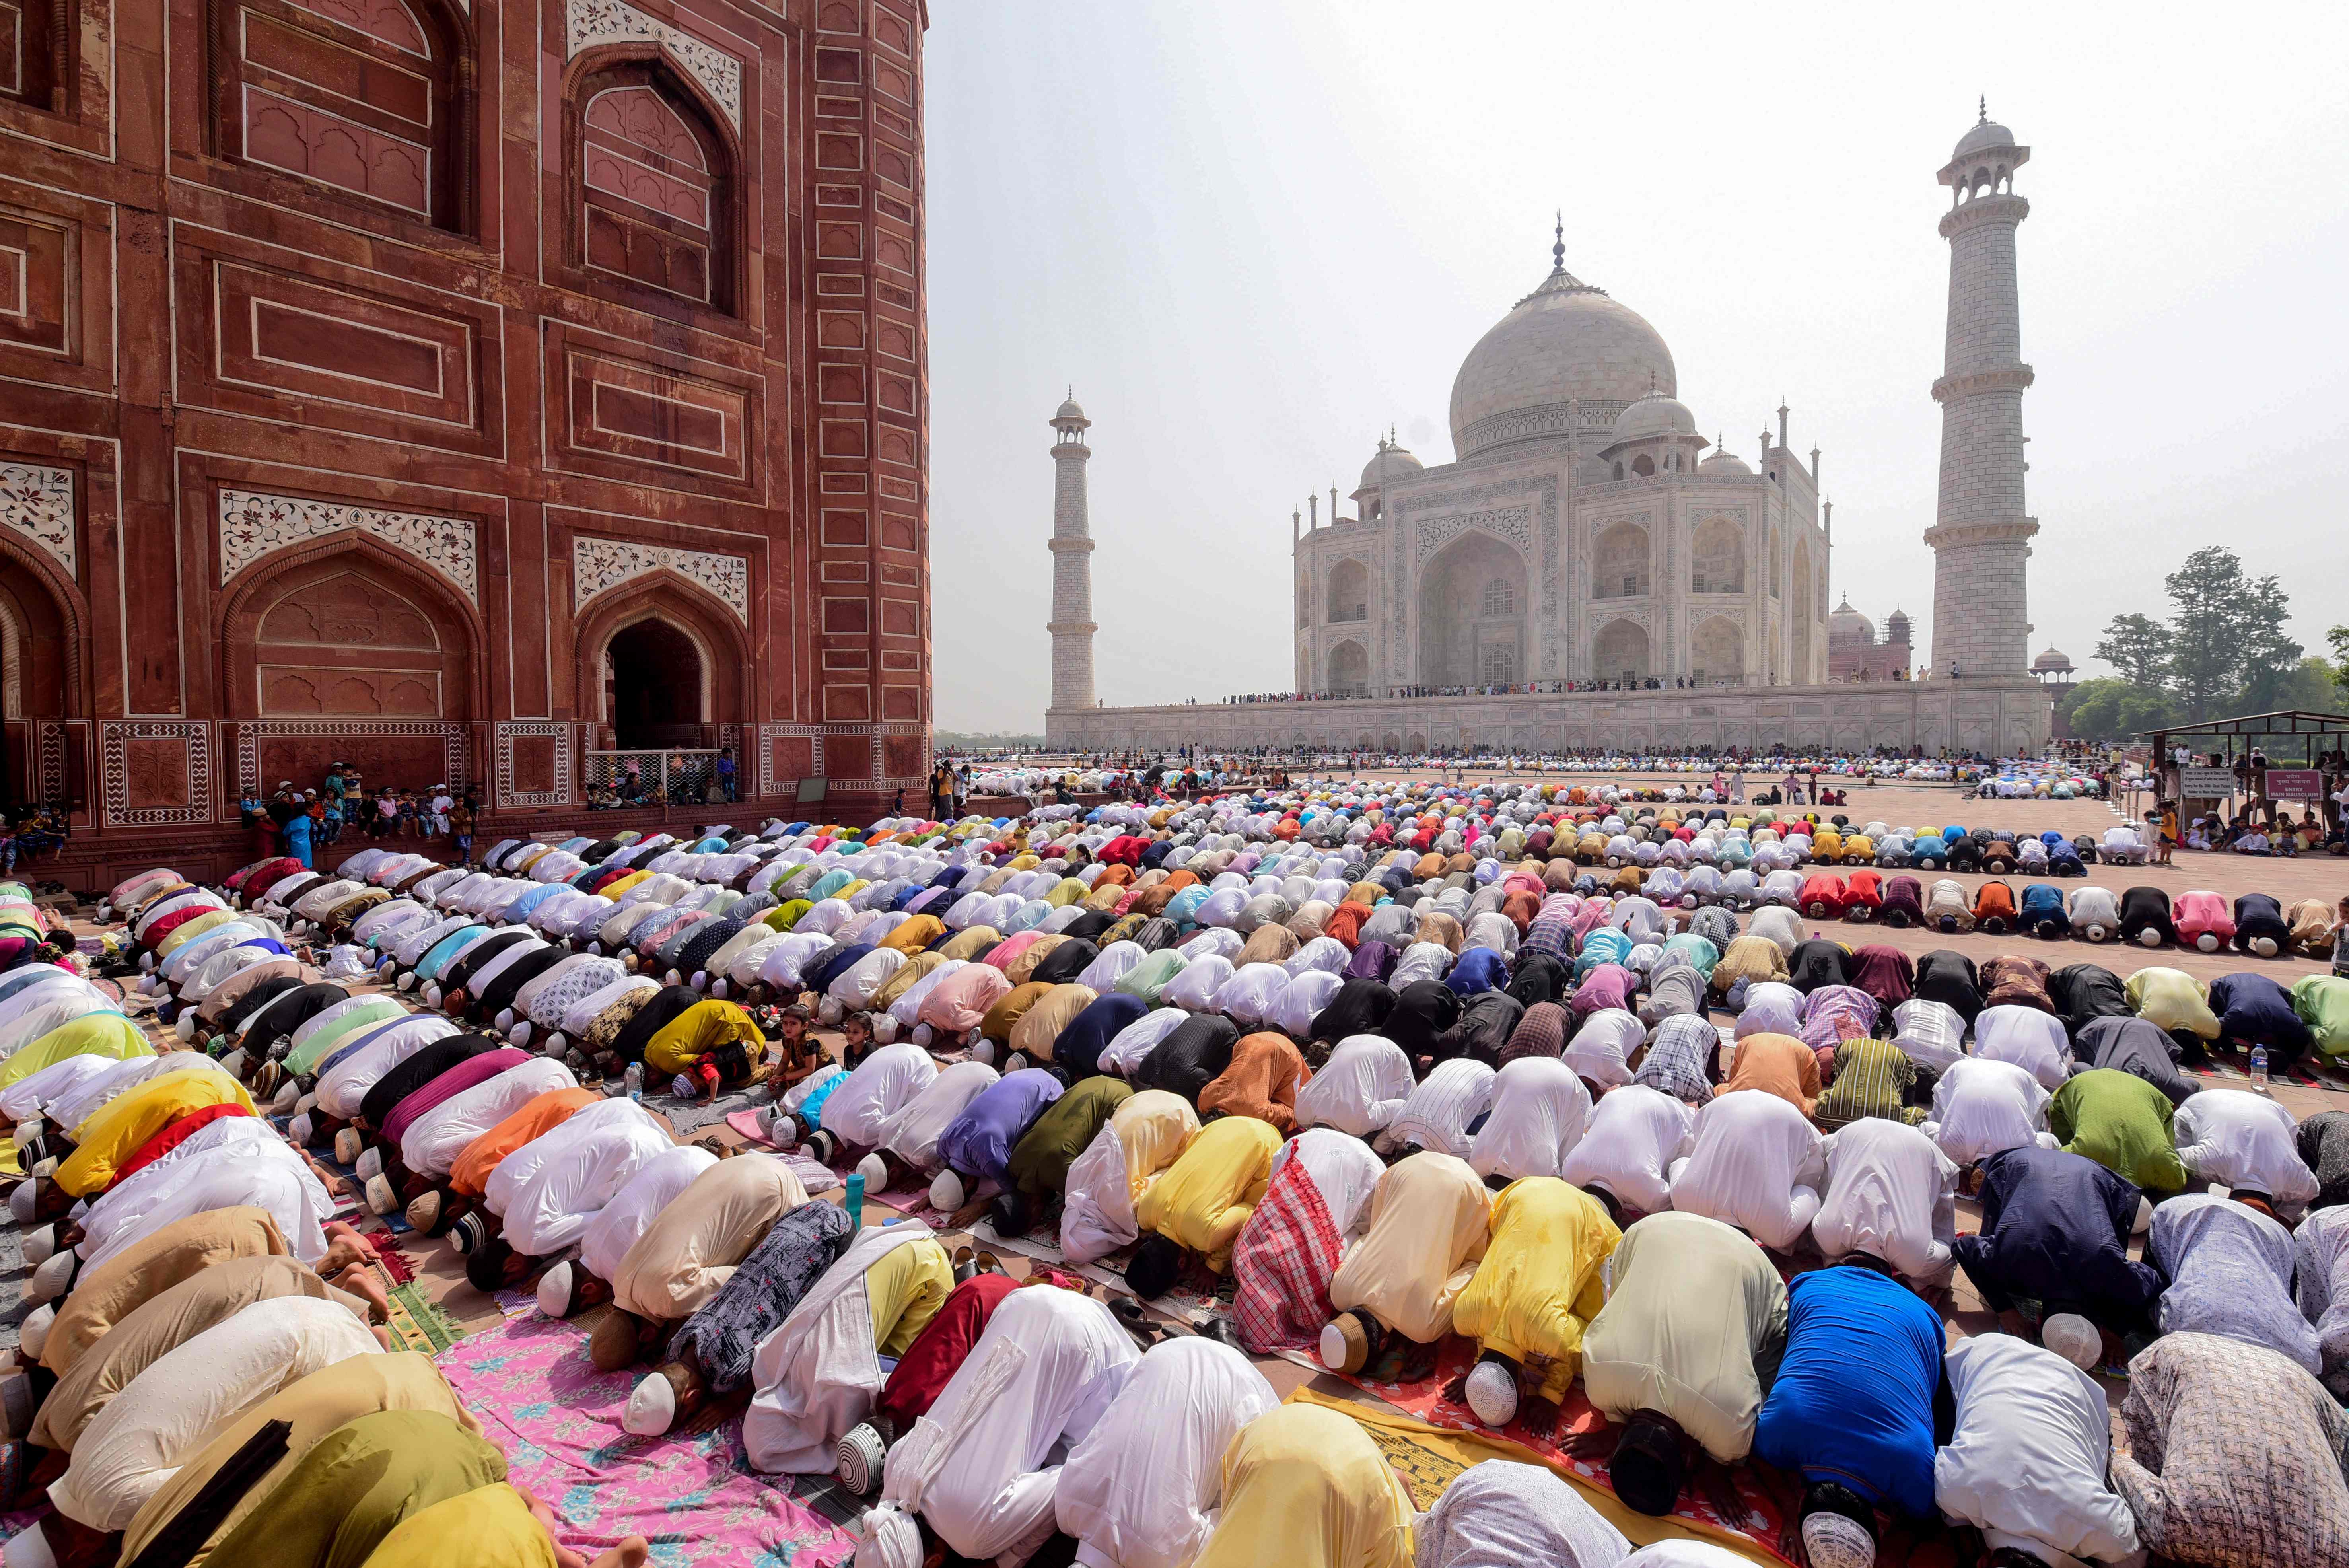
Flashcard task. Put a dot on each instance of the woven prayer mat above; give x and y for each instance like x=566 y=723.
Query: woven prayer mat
x=691 y=1493
x=418 y=1323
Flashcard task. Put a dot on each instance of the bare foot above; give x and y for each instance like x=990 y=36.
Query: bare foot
x=343 y=1255
x=362 y=1282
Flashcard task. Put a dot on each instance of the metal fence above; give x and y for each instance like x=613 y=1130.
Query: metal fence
x=656 y=777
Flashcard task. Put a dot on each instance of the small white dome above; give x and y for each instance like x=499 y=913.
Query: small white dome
x=1069 y=410
x=1848 y=624
x=1397 y=463
x=1723 y=461
x=2052 y=659
x=1981 y=138
x=1657 y=414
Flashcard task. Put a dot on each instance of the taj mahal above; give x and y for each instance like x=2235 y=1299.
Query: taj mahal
x=1592 y=570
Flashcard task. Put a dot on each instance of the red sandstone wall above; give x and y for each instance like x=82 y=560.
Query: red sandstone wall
x=360 y=384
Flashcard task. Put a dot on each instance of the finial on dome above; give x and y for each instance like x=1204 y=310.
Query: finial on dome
x=1985 y=111
x=1558 y=244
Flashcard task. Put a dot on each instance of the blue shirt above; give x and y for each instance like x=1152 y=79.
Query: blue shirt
x=1853 y=1402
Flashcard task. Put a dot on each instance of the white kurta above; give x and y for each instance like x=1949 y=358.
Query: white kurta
x=1097 y=1201
x=2241 y=1138
x=617 y=1226
x=1634 y=1137
x=1437 y=1114
x=1143 y=1491
x=1132 y=1045
x=1757 y=1165
x=435 y=1139
x=816 y=1372
x=2027 y=1462
x=1601 y=1049
x=236 y=1161
x=1345 y=1174
x=1890 y=1193
x=1539 y=1111
x=1983 y=1107
x=344 y=1084
x=93 y=1095
x=883 y=1084
x=912 y=1135
x=977 y=1468
x=1929 y=1033
x=135 y=1445
x=32 y=1094
x=551 y=1200
x=2032 y=1039
x=1360 y=1089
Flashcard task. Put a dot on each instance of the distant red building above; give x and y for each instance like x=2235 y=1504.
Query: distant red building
x=1855 y=654
x=460 y=389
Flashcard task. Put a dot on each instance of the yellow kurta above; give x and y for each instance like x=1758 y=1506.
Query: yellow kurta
x=489 y=1527
x=107 y=1034
x=1430 y=1223
x=1305 y=1486
x=905 y=1288
x=700 y=1030
x=1541 y=1280
x=118 y=1131
x=1207 y=1195
x=330 y=1397
x=1154 y=1128
x=188 y=930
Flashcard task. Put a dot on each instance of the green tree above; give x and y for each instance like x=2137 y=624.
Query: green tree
x=2307 y=686
x=2110 y=710
x=2338 y=640
x=2225 y=631
x=2138 y=647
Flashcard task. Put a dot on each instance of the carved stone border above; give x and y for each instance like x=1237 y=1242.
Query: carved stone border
x=114 y=770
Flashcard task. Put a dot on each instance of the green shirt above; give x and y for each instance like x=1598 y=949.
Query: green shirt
x=2121 y=1121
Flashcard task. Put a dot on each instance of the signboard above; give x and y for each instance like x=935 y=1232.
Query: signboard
x=2295 y=784
x=2206 y=783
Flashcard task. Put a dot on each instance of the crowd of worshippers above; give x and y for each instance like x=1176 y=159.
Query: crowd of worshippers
x=1498 y=1120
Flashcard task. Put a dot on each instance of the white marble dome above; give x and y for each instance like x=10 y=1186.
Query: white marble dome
x=1723 y=461
x=1397 y=461
x=1070 y=411
x=1565 y=341
x=1657 y=414
x=1989 y=134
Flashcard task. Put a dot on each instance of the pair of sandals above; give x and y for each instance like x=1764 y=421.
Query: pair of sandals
x=969 y=1263
x=1148 y=1331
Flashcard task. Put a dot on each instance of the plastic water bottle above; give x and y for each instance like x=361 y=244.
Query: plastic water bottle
x=855 y=1204
x=635 y=1081
x=2260 y=1068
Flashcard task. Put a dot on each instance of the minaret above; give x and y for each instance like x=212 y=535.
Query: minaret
x=1071 y=625
x=1981 y=535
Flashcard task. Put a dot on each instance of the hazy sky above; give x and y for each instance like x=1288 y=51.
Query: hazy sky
x=1253 y=234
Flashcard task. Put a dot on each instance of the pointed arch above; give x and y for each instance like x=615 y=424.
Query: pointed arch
x=653 y=178
x=719 y=640
x=347 y=626
x=1619 y=652
x=371 y=99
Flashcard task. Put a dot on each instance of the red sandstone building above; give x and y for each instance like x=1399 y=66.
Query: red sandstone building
x=1855 y=654
x=465 y=390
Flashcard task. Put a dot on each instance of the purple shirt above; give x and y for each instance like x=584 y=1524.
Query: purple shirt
x=979 y=1142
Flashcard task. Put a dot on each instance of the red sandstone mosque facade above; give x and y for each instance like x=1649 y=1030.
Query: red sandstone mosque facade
x=462 y=389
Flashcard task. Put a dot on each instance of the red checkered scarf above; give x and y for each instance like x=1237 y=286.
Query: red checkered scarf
x=1283 y=1264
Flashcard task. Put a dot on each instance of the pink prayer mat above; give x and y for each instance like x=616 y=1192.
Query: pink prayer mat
x=692 y=1494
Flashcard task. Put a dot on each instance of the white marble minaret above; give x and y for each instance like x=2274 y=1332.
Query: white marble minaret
x=1981 y=535
x=1072 y=569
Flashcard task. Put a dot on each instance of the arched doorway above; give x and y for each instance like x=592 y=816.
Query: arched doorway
x=653 y=686
x=1620 y=653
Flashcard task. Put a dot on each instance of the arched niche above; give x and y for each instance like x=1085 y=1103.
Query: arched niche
x=654 y=178
x=1804 y=611
x=348 y=630
x=1717 y=558
x=1717 y=650
x=1349 y=670
x=1350 y=592
x=1455 y=633
x=1620 y=652
x=372 y=100
x=1619 y=563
